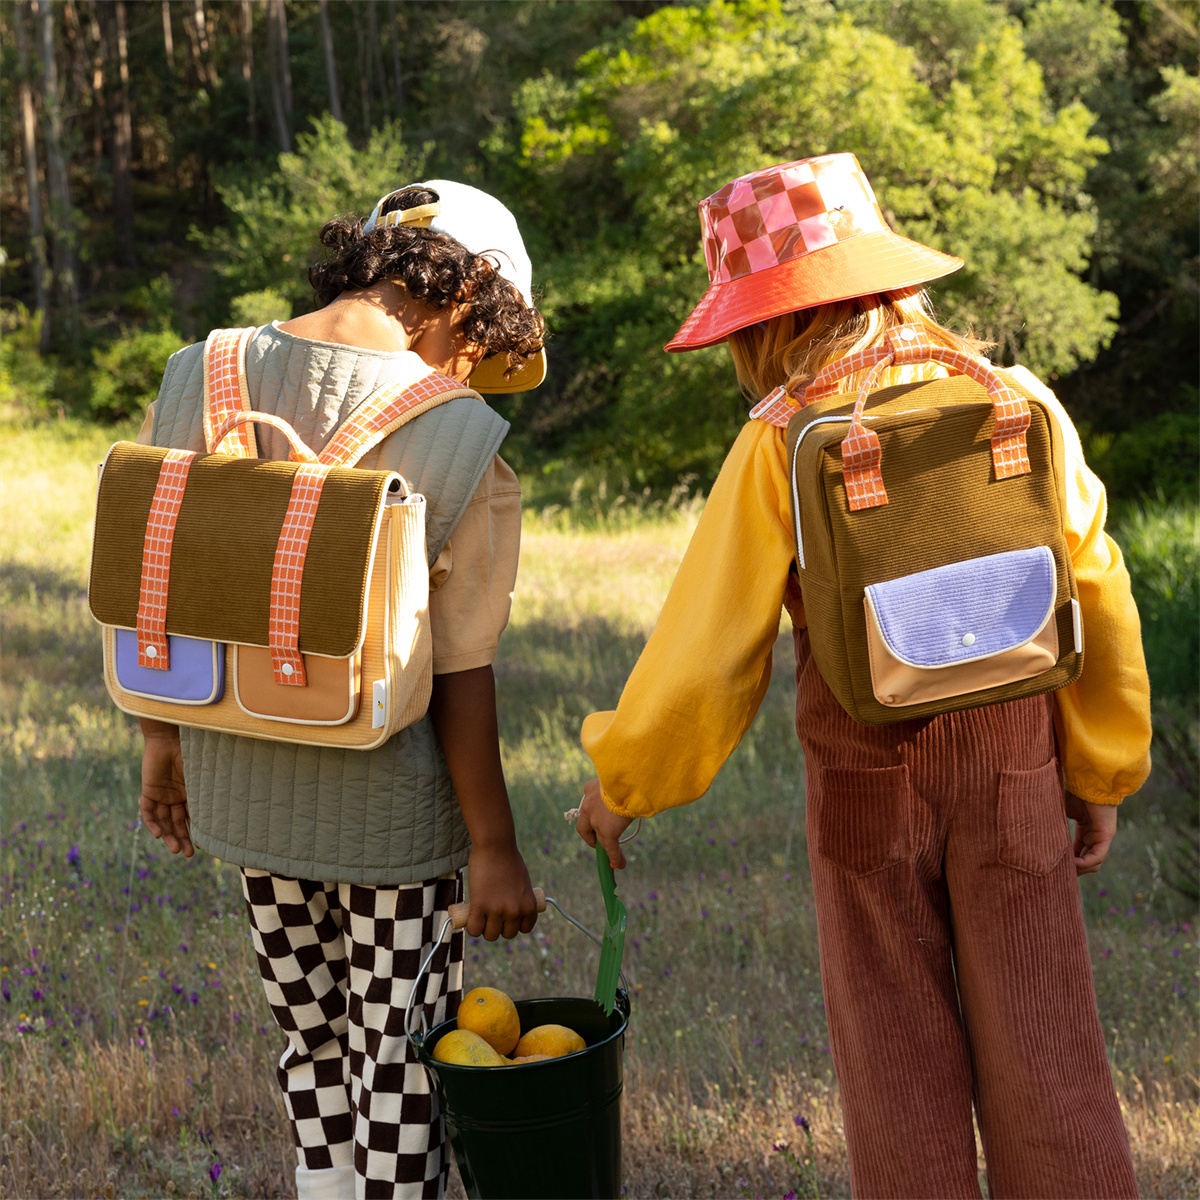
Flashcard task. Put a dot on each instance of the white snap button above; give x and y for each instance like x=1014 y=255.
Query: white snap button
x=151 y=651
x=968 y=639
x=907 y=335
x=288 y=668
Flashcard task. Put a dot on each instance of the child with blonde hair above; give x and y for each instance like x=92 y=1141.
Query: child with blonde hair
x=954 y=957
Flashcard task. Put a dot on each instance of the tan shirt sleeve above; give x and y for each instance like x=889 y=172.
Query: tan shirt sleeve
x=145 y=435
x=475 y=575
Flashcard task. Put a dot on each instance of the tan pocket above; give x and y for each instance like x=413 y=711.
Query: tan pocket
x=862 y=817
x=329 y=698
x=1031 y=820
x=897 y=683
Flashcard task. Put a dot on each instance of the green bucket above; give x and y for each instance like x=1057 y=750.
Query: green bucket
x=546 y=1129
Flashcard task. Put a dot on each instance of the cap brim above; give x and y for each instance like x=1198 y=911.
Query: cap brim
x=489 y=375
x=860 y=266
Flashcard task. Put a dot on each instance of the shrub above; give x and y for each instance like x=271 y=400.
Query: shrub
x=1162 y=551
x=126 y=373
x=1160 y=456
x=26 y=378
x=260 y=308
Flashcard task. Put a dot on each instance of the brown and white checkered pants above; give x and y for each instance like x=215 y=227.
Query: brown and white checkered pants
x=338 y=963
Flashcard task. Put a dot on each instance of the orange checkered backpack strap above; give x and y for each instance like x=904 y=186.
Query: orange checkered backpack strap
x=861 y=454
x=385 y=411
x=287 y=573
x=156 y=560
x=225 y=390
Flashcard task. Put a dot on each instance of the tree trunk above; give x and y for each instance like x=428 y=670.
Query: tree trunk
x=99 y=99
x=275 y=70
x=285 y=61
x=397 y=74
x=197 y=31
x=335 y=101
x=62 y=231
x=168 y=38
x=122 y=158
x=77 y=57
x=37 y=241
x=248 y=66
x=377 y=57
x=364 y=77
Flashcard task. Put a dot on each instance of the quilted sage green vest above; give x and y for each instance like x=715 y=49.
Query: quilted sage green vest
x=385 y=816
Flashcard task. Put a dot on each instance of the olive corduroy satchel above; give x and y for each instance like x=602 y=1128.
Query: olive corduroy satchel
x=281 y=600
x=929 y=536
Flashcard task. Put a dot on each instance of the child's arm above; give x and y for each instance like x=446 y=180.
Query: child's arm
x=463 y=707
x=163 y=801
x=1103 y=718
x=697 y=685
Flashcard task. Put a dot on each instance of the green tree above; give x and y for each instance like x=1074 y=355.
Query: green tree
x=270 y=237
x=617 y=154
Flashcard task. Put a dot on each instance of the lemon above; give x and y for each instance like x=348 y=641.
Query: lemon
x=534 y=1058
x=466 y=1049
x=488 y=1012
x=553 y=1040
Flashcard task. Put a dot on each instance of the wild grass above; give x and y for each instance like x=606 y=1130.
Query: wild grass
x=136 y=1048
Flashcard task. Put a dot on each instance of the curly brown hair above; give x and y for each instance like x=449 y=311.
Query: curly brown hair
x=435 y=269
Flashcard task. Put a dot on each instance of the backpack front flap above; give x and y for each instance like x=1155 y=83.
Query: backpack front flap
x=224 y=548
x=235 y=593
x=966 y=558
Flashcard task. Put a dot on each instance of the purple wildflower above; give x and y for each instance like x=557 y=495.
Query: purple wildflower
x=214 y=1172
x=801 y=1120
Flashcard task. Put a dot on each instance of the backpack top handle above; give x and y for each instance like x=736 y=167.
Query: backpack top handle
x=902 y=345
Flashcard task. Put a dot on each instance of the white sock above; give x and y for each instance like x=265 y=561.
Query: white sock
x=332 y=1183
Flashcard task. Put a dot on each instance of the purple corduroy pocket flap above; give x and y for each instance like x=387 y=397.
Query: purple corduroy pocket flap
x=966 y=611
x=196 y=674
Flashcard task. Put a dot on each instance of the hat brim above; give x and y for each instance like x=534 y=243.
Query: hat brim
x=489 y=375
x=881 y=261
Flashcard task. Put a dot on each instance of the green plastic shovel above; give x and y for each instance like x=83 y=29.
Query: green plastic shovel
x=613 y=943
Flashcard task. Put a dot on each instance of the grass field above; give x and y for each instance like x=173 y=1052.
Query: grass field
x=136 y=1050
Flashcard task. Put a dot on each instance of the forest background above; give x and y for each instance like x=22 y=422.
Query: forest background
x=164 y=169
x=166 y=166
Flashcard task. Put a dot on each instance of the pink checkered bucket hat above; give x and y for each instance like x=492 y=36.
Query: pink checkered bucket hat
x=792 y=236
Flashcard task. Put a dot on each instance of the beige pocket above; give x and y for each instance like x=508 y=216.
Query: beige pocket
x=1031 y=819
x=897 y=684
x=330 y=697
x=862 y=817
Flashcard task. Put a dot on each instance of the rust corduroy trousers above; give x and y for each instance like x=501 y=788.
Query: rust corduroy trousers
x=953 y=954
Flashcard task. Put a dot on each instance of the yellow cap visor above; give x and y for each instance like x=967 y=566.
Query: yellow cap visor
x=489 y=375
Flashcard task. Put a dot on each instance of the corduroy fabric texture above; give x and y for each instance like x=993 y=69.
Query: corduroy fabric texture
x=954 y=957
x=944 y=505
x=383 y=816
x=227 y=530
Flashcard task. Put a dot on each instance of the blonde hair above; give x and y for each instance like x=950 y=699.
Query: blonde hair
x=788 y=351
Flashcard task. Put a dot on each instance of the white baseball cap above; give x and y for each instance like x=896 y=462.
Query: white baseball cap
x=482 y=225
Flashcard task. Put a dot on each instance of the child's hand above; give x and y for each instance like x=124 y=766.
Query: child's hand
x=1095 y=828
x=598 y=823
x=502 y=900
x=163 y=801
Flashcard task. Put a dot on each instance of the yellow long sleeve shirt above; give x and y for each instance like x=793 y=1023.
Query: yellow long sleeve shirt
x=702 y=676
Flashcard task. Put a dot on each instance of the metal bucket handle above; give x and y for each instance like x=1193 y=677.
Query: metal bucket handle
x=457 y=917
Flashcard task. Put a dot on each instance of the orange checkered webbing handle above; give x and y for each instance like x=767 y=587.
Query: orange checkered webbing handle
x=283 y=634
x=229 y=433
x=225 y=390
x=385 y=411
x=861 y=455
x=156 y=559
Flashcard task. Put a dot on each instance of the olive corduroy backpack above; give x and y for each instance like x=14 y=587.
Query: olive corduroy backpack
x=929 y=535
x=280 y=600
